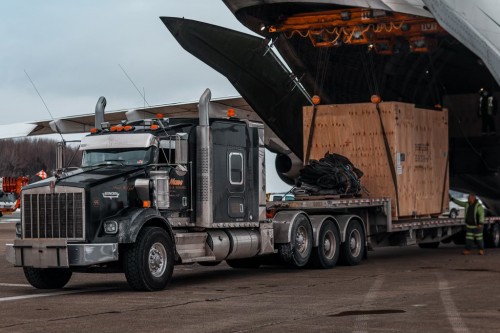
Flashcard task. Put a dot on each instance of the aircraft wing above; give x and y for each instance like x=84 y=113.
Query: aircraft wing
x=83 y=123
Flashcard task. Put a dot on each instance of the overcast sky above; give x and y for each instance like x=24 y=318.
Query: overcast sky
x=72 y=51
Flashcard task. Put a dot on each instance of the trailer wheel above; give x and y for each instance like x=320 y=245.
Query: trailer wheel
x=298 y=251
x=493 y=236
x=326 y=255
x=352 y=250
x=433 y=245
x=244 y=263
x=149 y=262
x=47 y=278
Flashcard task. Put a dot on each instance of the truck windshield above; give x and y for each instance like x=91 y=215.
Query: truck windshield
x=135 y=157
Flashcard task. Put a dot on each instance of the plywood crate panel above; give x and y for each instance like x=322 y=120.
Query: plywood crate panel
x=418 y=144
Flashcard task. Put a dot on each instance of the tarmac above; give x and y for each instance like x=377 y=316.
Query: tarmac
x=396 y=290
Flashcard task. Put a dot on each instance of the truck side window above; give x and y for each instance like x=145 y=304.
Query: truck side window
x=235 y=168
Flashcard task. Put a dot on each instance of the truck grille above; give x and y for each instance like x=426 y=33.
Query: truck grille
x=53 y=215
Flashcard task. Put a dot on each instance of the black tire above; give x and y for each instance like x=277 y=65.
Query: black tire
x=353 y=249
x=433 y=245
x=149 y=262
x=244 y=263
x=453 y=213
x=326 y=255
x=209 y=263
x=298 y=251
x=47 y=278
x=492 y=236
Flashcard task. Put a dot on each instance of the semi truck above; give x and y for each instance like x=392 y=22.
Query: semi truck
x=154 y=193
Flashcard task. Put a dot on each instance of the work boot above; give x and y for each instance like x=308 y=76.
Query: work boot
x=481 y=252
x=466 y=252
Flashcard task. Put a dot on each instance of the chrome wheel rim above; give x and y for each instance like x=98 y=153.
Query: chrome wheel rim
x=301 y=240
x=355 y=243
x=157 y=259
x=329 y=245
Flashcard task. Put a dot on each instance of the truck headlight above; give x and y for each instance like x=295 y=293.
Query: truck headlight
x=111 y=227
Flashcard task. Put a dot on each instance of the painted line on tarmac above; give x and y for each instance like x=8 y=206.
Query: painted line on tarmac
x=457 y=324
x=55 y=293
x=361 y=324
x=14 y=285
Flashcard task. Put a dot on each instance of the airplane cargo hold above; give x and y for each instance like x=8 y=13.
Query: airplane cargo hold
x=402 y=150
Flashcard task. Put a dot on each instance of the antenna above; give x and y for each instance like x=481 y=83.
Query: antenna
x=46 y=107
x=131 y=81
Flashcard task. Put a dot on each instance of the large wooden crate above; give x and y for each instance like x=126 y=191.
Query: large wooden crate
x=416 y=145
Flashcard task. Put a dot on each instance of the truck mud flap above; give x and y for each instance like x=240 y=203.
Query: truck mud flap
x=41 y=253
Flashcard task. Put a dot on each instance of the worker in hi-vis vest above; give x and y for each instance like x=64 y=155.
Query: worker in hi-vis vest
x=474 y=221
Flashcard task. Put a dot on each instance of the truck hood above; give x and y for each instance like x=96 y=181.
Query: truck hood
x=89 y=177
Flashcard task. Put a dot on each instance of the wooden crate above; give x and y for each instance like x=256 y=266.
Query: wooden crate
x=418 y=143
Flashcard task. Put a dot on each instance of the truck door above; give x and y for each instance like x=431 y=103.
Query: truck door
x=230 y=174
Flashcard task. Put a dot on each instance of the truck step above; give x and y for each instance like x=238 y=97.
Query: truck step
x=191 y=247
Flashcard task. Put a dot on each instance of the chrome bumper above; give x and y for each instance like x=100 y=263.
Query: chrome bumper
x=45 y=253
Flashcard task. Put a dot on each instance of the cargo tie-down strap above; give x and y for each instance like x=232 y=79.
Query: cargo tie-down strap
x=389 y=157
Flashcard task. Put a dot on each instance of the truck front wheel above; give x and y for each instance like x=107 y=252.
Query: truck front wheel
x=353 y=248
x=47 y=278
x=149 y=262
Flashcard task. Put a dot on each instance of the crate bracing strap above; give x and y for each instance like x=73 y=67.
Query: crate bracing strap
x=389 y=157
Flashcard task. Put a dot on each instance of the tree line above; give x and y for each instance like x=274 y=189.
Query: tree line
x=26 y=157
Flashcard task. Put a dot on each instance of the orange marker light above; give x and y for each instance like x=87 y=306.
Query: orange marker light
x=119 y=128
x=112 y=129
x=230 y=113
x=159 y=115
x=375 y=99
x=146 y=204
x=128 y=128
x=154 y=127
x=93 y=130
x=316 y=99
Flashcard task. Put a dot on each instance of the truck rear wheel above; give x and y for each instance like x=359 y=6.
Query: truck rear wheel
x=327 y=253
x=149 y=262
x=352 y=250
x=47 y=278
x=298 y=251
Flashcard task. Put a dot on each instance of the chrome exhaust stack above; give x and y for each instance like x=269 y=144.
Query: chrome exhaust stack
x=204 y=165
x=99 y=112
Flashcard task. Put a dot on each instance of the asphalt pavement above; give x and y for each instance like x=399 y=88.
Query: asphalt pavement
x=395 y=290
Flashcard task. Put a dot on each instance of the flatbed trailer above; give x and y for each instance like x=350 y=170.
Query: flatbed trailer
x=379 y=229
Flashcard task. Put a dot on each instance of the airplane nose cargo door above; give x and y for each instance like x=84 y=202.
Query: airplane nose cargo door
x=243 y=59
